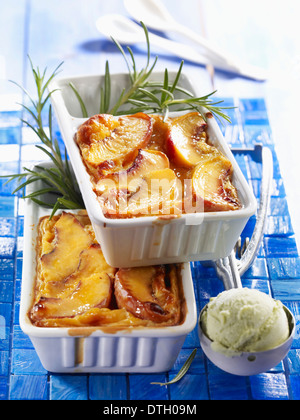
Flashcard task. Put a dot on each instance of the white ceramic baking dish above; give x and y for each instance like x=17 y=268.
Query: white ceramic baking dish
x=149 y=240
x=92 y=350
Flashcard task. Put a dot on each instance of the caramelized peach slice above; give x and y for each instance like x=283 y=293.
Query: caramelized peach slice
x=211 y=183
x=157 y=193
x=186 y=140
x=145 y=162
x=108 y=143
x=58 y=264
x=148 y=292
x=91 y=286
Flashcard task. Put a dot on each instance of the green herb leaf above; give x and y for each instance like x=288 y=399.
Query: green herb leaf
x=57 y=180
x=153 y=97
x=82 y=105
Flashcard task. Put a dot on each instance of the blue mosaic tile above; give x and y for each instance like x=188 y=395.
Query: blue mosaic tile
x=295 y=387
x=140 y=387
x=20 y=226
x=16 y=313
x=198 y=363
x=257 y=134
x=278 y=189
x=5 y=321
x=293 y=361
x=269 y=386
x=294 y=307
x=68 y=387
x=280 y=247
x=7 y=226
x=4 y=387
x=258 y=270
x=17 y=290
x=10 y=118
x=252 y=105
x=284 y=267
x=108 y=387
x=7 y=247
x=6 y=291
x=255 y=169
x=7 y=188
x=232 y=136
x=28 y=387
x=223 y=386
x=19 y=268
x=19 y=339
x=278 y=206
x=10 y=135
x=279 y=226
x=4 y=363
x=242 y=161
x=7 y=206
x=286 y=290
x=208 y=288
x=190 y=387
x=9 y=167
x=26 y=361
x=262 y=285
x=192 y=340
x=6 y=269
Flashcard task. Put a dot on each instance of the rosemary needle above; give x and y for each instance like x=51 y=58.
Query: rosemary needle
x=144 y=95
x=182 y=371
x=58 y=180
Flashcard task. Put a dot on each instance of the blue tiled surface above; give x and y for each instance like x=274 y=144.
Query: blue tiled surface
x=275 y=271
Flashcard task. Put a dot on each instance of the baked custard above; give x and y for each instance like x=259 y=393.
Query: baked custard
x=75 y=287
x=143 y=165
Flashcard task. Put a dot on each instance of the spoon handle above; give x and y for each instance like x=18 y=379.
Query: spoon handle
x=265 y=193
x=228 y=272
x=179 y=50
x=210 y=50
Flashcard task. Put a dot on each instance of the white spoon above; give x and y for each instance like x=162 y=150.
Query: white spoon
x=156 y=16
x=125 y=31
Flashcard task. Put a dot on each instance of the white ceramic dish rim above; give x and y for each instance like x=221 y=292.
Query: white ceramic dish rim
x=27 y=293
x=69 y=124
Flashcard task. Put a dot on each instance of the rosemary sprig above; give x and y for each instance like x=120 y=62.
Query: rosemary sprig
x=58 y=180
x=144 y=95
x=181 y=372
x=138 y=79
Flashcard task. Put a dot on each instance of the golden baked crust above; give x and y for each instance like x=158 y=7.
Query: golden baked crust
x=75 y=287
x=142 y=165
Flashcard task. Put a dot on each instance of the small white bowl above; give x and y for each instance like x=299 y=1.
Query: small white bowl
x=89 y=349
x=149 y=240
x=247 y=363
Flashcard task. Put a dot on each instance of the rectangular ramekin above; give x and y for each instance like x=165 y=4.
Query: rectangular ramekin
x=149 y=240
x=89 y=350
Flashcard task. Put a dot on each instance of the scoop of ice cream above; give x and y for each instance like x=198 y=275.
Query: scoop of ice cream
x=244 y=320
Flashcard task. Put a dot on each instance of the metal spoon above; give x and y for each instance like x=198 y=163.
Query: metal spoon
x=156 y=16
x=230 y=269
x=248 y=363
